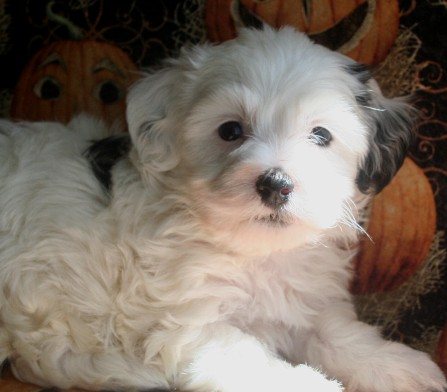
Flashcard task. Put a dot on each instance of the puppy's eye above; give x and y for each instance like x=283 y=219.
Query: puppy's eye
x=230 y=131
x=321 y=136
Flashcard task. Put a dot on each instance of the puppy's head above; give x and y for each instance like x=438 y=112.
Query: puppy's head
x=268 y=133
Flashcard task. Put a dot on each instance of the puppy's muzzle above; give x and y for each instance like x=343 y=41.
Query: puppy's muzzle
x=275 y=187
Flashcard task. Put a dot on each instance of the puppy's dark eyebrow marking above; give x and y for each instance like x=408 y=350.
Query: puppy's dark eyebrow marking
x=104 y=154
x=360 y=71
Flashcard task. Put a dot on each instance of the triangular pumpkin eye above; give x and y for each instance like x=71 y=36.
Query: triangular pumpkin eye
x=48 y=88
x=321 y=136
x=108 y=92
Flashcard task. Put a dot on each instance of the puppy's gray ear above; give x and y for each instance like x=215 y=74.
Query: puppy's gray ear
x=148 y=120
x=390 y=122
x=155 y=104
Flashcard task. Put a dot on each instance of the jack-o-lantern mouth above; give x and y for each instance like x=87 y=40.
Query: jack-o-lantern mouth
x=364 y=30
x=341 y=35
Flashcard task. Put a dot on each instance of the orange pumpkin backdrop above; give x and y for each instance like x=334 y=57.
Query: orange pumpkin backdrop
x=402 y=227
x=72 y=76
x=69 y=77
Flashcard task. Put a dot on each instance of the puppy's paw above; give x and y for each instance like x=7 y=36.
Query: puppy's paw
x=398 y=368
x=301 y=378
x=311 y=380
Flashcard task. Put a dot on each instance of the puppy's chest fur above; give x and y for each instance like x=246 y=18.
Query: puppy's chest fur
x=286 y=287
x=217 y=285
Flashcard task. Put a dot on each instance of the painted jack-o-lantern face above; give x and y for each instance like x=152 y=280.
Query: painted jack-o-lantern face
x=69 y=77
x=363 y=29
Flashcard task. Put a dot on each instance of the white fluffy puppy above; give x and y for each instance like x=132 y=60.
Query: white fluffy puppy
x=210 y=251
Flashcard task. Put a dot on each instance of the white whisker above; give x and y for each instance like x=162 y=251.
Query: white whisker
x=349 y=217
x=372 y=108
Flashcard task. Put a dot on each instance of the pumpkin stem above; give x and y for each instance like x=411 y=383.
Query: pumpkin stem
x=74 y=31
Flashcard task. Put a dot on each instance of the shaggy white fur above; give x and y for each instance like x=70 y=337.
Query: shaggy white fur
x=216 y=255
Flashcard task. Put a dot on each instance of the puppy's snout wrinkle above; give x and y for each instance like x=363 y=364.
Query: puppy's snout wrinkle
x=275 y=187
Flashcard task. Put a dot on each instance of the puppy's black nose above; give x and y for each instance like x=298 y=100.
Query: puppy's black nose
x=274 y=186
